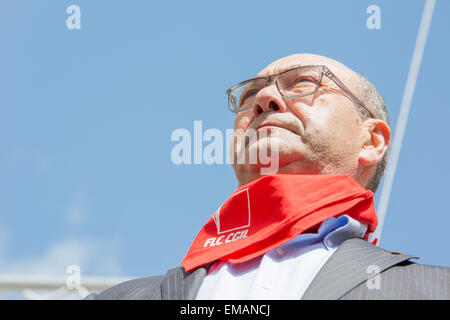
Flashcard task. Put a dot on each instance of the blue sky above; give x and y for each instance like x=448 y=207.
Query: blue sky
x=86 y=117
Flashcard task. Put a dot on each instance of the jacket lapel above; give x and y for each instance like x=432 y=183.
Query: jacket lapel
x=181 y=285
x=348 y=267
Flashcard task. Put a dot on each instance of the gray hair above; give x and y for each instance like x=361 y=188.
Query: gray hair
x=373 y=100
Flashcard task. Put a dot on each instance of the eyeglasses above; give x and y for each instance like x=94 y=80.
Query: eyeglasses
x=293 y=83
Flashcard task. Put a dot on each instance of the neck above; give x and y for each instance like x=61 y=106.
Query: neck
x=246 y=177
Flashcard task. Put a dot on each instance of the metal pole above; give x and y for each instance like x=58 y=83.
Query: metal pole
x=404 y=112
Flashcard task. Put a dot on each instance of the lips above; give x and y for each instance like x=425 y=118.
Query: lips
x=270 y=124
x=278 y=125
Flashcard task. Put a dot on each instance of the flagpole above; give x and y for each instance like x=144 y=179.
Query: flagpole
x=403 y=116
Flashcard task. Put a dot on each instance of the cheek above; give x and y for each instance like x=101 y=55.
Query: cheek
x=345 y=133
x=348 y=121
x=243 y=120
x=332 y=122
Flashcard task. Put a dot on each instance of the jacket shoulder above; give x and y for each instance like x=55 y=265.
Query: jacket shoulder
x=406 y=281
x=147 y=288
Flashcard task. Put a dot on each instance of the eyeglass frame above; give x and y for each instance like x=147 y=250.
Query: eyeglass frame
x=274 y=78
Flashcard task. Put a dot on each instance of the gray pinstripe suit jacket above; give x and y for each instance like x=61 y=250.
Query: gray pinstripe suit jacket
x=346 y=275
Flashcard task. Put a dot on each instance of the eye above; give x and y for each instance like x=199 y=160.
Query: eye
x=249 y=94
x=300 y=83
x=305 y=79
x=246 y=96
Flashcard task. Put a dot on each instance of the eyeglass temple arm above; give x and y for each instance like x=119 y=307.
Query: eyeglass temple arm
x=347 y=91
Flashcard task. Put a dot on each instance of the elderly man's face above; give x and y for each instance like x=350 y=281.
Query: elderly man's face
x=317 y=134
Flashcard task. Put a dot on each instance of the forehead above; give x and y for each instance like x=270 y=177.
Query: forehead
x=345 y=74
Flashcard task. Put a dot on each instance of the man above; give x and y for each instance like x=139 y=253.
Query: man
x=300 y=233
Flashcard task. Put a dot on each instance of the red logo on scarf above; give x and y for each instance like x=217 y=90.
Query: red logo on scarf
x=231 y=227
x=272 y=210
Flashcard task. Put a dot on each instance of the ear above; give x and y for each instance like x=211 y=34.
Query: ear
x=377 y=137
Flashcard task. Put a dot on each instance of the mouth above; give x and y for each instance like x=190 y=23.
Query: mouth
x=272 y=125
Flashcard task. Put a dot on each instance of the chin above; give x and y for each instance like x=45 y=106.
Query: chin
x=267 y=163
x=259 y=152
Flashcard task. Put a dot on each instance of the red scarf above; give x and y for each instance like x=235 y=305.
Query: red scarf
x=266 y=213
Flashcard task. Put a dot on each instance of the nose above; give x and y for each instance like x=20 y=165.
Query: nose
x=268 y=99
